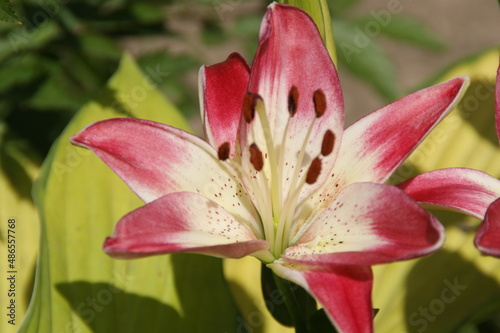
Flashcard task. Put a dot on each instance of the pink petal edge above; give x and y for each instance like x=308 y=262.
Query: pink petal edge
x=222 y=90
x=154 y=159
x=376 y=145
x=183 y=222
x=465 y=190
x=487 y=238
x=367 y=224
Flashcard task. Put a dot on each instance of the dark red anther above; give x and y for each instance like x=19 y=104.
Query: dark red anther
x=319 y=102
x=314 y=171
x=223 y=151
x=256 y=157
x=293 y=100
x=328 y=143
x=249 y=102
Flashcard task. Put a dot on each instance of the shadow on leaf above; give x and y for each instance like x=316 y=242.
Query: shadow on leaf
x=445 y=290
x=476 y=106
x=105 y=308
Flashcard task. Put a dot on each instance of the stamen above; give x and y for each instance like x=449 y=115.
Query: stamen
x=314 y=171
x=249 y=102
x=223 y=151
x=256 y=157
x=293 y=100
x=319 y=102
x=328 y=142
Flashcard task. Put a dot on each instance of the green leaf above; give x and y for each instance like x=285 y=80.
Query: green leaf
x=23 y=38
x=7 y=12
x=410 y=30
x=17 y=173
x=358 y=53
x=456 y=285
x=320 y=323
x=274 y=298
x=147 y=13
x=99 y=46
x=244 y=278
x=318 y=10
x=338 y=6
x=20 y=71
x=80 y=289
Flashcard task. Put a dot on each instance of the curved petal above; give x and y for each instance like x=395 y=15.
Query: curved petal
x=222 y=89
x=487 y=238
x=374 y=146
x=367 y=224
x=155 y=159
x=344 y=292
x=294 y=75
x=465 y=190
x=182 y=222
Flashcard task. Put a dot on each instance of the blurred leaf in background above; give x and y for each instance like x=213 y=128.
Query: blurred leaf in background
x=63 y=54
x=358 y=45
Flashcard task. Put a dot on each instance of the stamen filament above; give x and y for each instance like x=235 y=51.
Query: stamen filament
x=273 y=188
x=262 y=208
x=293 y=195
x=281 y=160
x=260 y=203
x=287 y=224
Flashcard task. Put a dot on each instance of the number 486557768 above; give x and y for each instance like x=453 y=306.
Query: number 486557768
x=11 y=240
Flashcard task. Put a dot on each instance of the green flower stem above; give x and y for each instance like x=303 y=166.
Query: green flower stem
x=299 y=317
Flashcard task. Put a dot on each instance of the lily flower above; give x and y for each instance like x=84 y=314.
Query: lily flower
x=487 y=238
x=278 y=177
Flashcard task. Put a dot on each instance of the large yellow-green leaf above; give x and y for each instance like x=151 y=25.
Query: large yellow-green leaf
x=446 y=290
x=318 y=10
x=20 y=236
x=80 y=289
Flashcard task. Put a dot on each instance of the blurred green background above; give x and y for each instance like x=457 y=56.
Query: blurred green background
x=66 y=50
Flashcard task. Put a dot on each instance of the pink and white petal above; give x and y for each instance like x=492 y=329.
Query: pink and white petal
x=222 y=89
x=344 y=292
x=374 y=146
x=366 y=224
x=154 y=159
x=183 y=222
x=290 y=65
x=487 y=238
x=465 y=190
